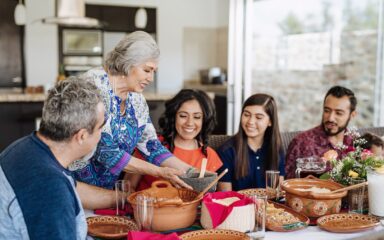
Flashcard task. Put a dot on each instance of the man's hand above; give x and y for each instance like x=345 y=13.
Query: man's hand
x=171 y=175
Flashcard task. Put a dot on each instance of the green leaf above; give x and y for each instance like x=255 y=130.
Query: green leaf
x=325 y=176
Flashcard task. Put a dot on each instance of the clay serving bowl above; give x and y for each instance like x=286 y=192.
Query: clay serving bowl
x=199 y=184
x=170 y=211
x=310 y=203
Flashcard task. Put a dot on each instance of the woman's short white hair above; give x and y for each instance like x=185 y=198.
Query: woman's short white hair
x=134 y=49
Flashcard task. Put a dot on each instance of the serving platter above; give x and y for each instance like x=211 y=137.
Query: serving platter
x=214 y=234
x=258 y=191
x=294 y=226
x=347 y=222
x=110 y=227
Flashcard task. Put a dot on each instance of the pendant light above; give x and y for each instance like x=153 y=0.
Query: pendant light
x=71 y=13
x=141 y=18
x=20 y=14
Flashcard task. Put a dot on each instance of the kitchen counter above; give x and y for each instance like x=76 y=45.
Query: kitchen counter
x=217 y=89
x=19 y=112
x=22 y=97
x=157 y=96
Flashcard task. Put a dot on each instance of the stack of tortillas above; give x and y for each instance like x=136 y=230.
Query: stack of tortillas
x=241 y=218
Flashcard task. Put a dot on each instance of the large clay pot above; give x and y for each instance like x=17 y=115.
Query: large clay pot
x=169 y=212
x=312 y=204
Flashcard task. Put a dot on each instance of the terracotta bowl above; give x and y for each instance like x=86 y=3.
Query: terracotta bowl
x=199 y=184
x=309 y=203
x=172 y=214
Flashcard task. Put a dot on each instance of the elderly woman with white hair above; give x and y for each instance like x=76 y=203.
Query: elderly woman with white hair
x=127 y=70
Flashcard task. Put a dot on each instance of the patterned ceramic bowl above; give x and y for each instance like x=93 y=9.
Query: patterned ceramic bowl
x=315 y=203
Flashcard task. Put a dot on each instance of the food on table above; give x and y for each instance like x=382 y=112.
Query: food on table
x=226 y=201
x=314 y=190
x=278 y=216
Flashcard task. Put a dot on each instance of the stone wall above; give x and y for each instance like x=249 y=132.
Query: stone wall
x=300 y=93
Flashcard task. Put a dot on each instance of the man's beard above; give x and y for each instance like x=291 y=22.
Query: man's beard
x=339 y=130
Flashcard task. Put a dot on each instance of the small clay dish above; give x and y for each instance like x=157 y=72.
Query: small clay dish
x=110 y=227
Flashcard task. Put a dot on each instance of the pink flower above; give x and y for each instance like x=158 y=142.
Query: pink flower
x=350 y=149
x=366 y=154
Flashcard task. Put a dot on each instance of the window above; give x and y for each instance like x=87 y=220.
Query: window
x=300 y=48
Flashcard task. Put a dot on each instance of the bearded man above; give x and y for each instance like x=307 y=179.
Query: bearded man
x=339 y=108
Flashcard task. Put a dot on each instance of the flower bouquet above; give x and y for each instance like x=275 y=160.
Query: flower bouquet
x=354 y=162
x=352 y=169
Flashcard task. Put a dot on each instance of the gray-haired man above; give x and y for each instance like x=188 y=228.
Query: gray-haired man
x=38 y=199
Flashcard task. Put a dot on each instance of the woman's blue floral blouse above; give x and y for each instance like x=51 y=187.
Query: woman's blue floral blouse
x=120 y=136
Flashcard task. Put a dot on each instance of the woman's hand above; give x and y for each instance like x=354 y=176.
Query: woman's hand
x=171 y=175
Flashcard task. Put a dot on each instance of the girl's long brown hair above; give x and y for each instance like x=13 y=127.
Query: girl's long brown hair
x=272 y=136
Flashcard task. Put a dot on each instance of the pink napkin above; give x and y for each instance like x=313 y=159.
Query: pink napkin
x=220 y=212
x=135 y=235
x=112 y=211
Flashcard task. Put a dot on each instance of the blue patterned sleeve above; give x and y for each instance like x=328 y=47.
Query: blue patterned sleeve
x=149 y=145
x=110 y=156
x=108 y=153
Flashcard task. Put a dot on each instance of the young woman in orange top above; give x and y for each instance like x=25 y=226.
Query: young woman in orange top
x=188 y=120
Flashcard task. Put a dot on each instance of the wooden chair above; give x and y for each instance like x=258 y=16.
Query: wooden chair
x=216 y=141
x=379 y=131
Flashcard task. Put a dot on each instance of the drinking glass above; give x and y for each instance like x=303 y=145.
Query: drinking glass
x=272 y=183
x=259 y=214
x=356 y=197
x=310 y=165
x=122 y=189
x=143 y=211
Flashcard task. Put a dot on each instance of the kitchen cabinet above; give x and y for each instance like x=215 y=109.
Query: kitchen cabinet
x=120 y=19
x=81 y=49
x=17 y=119
x=156 y=109
x=11 y=51
x=9 y=124
x=221 y=114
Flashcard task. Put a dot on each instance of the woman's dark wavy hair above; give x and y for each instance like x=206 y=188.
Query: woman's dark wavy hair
x=168 y=119
x=272 y=136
